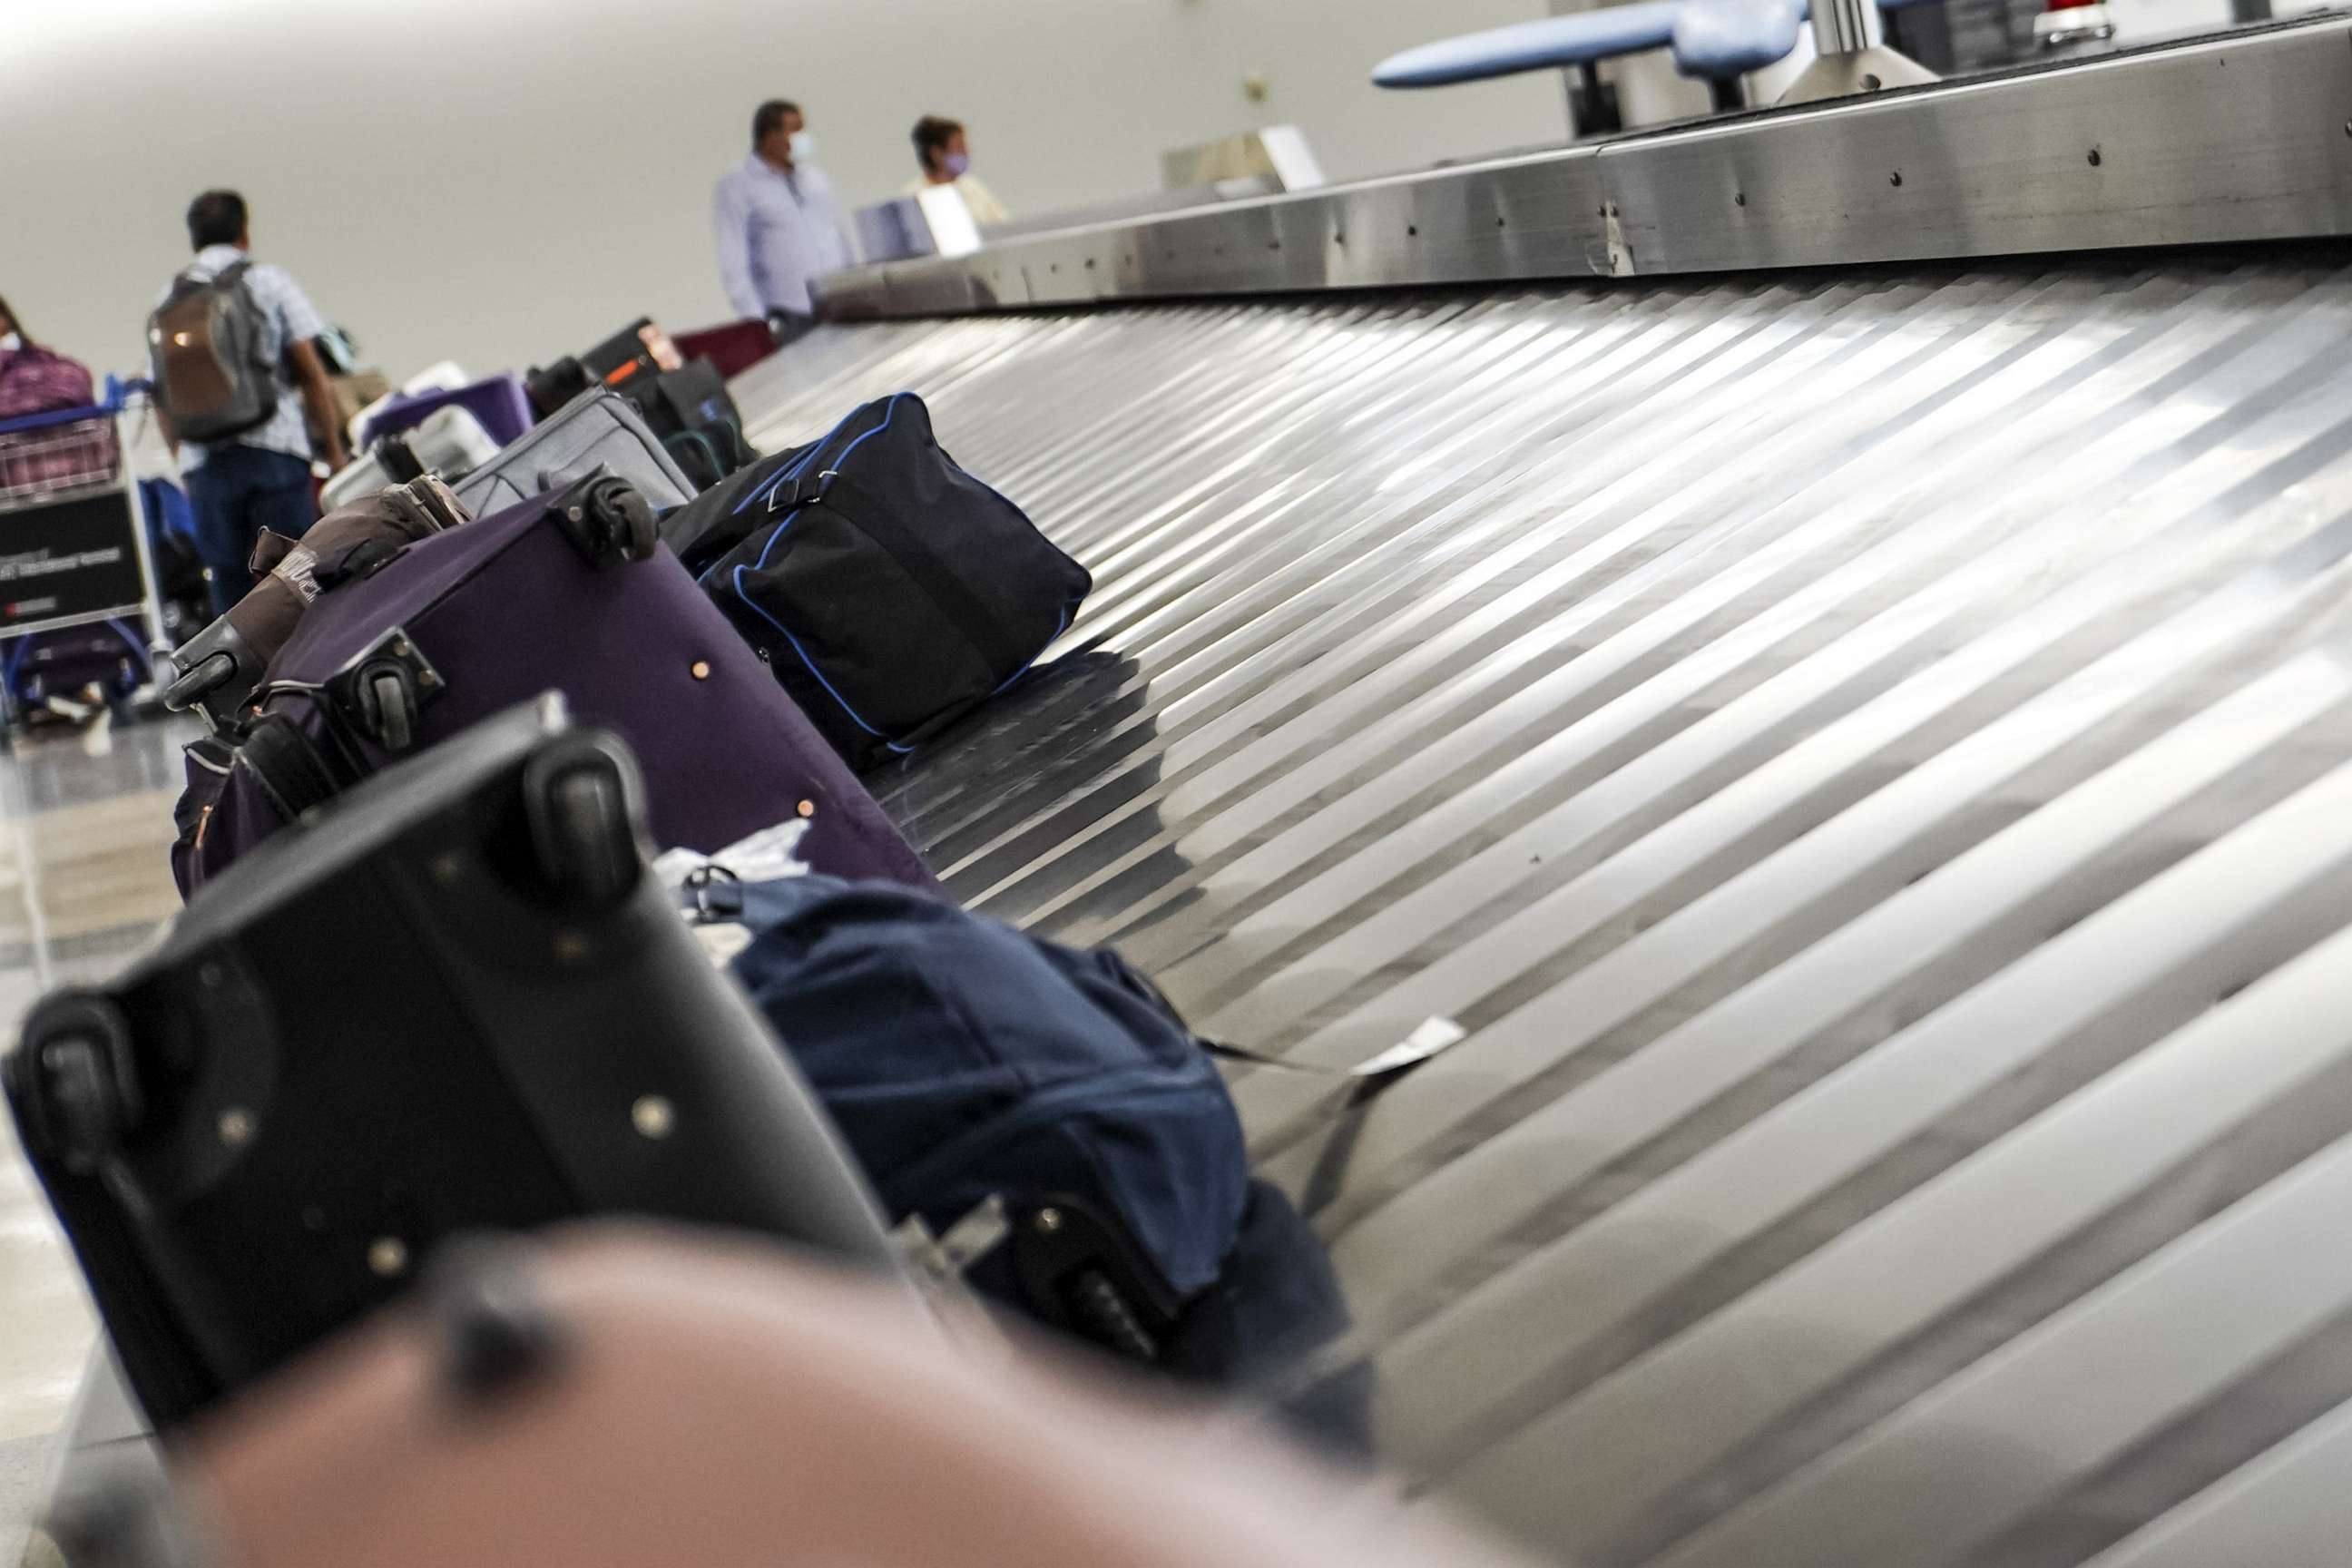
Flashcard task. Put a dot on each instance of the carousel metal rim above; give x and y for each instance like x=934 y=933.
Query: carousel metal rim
x=2246 y=136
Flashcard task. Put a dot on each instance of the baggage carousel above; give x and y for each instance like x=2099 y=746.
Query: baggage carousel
x=1843 y=779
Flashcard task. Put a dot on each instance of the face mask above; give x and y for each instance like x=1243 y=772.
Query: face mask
x=957 y=165
x=10 y=342
x=803 y=146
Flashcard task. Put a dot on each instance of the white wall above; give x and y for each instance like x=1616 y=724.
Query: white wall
x=502 y=181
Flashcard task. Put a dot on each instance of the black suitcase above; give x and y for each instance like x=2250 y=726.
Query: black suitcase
x=640 y=348
x=696 y=417
x=598 y=430
x=451 y=1001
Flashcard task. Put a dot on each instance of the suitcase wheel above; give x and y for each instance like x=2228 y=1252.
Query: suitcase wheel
x=609 y=522
x=583 y=828
x=80 y=1087
x=382 y=699
x=1085 y=1272
x=381 y=692
x=389 y=698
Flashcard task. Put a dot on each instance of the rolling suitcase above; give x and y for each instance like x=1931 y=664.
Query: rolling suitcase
x=456 y=1001
x=217 y=671
x=498 y=402
x=596 y=429
x=734 y=347
x=566 y=591
x=641 y=348
x=448 y=442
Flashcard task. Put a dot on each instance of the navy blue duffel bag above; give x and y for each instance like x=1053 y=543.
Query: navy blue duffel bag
x=970 y=1065
x=890 y=591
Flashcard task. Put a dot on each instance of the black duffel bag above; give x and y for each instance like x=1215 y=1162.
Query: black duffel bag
x=890 y=591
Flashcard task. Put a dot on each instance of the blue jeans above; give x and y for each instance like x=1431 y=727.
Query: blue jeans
x=235 y=493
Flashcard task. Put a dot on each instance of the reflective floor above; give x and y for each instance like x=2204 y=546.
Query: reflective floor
x=85 y=822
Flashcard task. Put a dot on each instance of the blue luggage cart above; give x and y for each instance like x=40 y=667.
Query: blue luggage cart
x=78 y=607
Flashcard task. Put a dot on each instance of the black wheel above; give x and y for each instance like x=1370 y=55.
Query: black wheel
x=393 y=705
x=1102 y=1313
x=583 y=832
x=612 y=523
x=79 y=1081
x=643 y=528
x=80 y=1107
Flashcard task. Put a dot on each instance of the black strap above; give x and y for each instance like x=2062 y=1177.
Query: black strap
x=293 y=772
x=915 y=558
x=399 y=459
x=362 y=558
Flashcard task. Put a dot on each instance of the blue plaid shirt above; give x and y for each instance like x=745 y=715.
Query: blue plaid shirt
x=287 y=317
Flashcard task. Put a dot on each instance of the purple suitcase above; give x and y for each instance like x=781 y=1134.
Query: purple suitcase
x=499 y=402
x=470 y=622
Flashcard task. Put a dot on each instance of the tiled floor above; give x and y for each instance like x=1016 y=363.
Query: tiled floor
x=85 y=822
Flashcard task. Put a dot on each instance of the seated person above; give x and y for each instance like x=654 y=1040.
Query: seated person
x=946 y=157
x=35 y=380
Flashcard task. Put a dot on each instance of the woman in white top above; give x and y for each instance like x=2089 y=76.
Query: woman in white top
x=946 y=157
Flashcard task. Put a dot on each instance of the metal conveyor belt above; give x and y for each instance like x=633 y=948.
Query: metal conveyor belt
x=1868 y=762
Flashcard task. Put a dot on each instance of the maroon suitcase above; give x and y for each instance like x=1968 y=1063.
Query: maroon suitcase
x=563 y=593
x=734 y=348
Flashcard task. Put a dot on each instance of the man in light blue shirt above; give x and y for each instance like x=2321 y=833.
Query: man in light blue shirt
x=775 y=219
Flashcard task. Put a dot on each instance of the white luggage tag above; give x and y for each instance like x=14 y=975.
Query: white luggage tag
x=942 y=1261
x=1368 y=1077
x=765 y=856
x=1351 y=1089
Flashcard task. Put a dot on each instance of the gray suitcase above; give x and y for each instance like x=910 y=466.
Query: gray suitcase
x=597 y=428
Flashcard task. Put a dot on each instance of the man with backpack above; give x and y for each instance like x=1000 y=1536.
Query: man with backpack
x=233 y=345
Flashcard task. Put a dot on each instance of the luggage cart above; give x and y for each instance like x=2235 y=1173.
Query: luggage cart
x=74 y=550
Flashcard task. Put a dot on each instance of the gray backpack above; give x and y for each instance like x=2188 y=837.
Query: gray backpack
x=212 y=378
